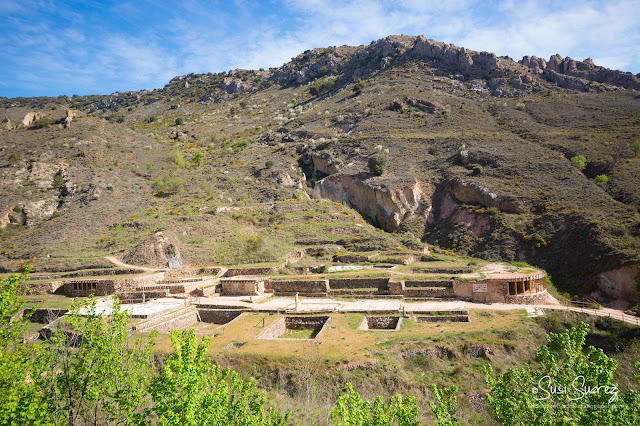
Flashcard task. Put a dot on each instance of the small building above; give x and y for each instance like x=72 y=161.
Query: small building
x=505 y=288
x=243 y=286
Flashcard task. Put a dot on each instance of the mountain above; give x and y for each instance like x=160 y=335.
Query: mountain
x=532 y=160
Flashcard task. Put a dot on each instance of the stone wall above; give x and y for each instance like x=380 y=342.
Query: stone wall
x=45 y=315
x=529 y=299
x=298 y=323
x=428 y=283
x=443 y=318
x=380 y=323
x=274 y=331
x=396 y=287
x=191 y=272
x=234 y=272
x=140 y=297
x=428 y=292
x=298 y=286
x=178 y=322
x=348 y=283
x=84 y=288
x=31 y=288
x=218 y=316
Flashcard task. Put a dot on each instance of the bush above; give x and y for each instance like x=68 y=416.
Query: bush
x=198 y=158
x=240 y=145
x=167 y=185
x=378 y=163
x=58 y=181
x=13 y=159
x=269 y=164
x=358 y=87
x=319 y=87
x=177 y=159
x=179 y=121
x=580 y=161
x=636 y=148
x=477 y=170
x=601 y=180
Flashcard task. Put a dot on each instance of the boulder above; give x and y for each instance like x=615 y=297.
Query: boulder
x=6 y=124
x=71 y=114
x=30 y=118
x=160 y=250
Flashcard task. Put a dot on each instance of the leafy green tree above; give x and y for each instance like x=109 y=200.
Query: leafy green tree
x=568 y=386
x=58 y=181
x=378 y=163
x=192 y=391
x=444 y=406
x=167 y=185
x=352 y=410
x=602 y=180
x=580 y=161
x=198 y=158
x=94 y=373
x=20 y=395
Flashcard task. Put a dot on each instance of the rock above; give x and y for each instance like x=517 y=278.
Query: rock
x=474 y=193
x=464 y=157
x=6 y=124
x=159 y=250
x=234 y=85
x=479 y=351
x=43 y=209
x=30 y=118
x=438 y=351
x=12 y=217
x=42 y=174
x=619 y=283
x=371 y=197
x=71 y=114
x=325 y=163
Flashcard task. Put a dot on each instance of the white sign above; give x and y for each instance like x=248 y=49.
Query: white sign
x=479 y=288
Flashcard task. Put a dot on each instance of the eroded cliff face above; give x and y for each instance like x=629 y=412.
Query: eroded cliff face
x=373 y=198
x=619 y=284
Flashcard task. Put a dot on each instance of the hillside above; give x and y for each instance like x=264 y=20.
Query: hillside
x=479 y=154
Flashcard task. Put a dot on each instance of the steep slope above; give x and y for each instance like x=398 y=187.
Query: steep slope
x=479 y=151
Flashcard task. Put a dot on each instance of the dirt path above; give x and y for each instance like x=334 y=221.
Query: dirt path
x=120 y=263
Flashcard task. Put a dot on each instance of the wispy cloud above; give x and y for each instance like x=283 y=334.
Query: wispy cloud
x=52 y=48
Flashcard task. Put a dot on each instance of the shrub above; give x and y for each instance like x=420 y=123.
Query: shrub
x=198 y=158
x=244 y=103
x=177 y=159
x=520 y=106
x=477 y=170
x=378 y=163
x=12 y=159
x=269 y=164
x=601 y=180
x=580 y=161
x=17 y=209
x=58 y=181
x=636 y=148
x=45 y=122
x=167 y=185
x=358 y=87
x=319 y=87
x=240 y=145
x=179 y=121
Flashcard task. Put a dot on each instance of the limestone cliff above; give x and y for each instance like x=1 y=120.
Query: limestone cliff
x=373 y=198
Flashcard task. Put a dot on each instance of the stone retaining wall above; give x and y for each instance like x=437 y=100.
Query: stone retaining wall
x=45 y=315
x=30 y=288
x=428 y=283
x=139 y=296
x=348 y=283
x=443 y=318
x=218 y=316
x=234 y=272
x=98 y=287
x=396 y=287
x=529 y=299
x=298 y=286
x=274 y=331
x=389 y=323
x=428 y=292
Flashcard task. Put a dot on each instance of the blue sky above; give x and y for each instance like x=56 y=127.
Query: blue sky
x=54 y=47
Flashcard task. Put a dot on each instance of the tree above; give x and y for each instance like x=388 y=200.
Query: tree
x=352 y=410
x=191 y=390
x=580 y=161
x=178 y=159
x=601 y=180
x=92 y=372
x=378 y=163
x=20 y=395
x=568 y=386
x=167 y=185
x=444 y=407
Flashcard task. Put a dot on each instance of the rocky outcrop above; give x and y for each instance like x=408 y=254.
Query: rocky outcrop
x=585 y=71
x=160 y=251
x=71 y=114
x=6 y=124
x=619 y=283
x=373 y=198
x=234 y=85
x=30 y=118
x=325 y=163
x=12 y=216
x=474 y=193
